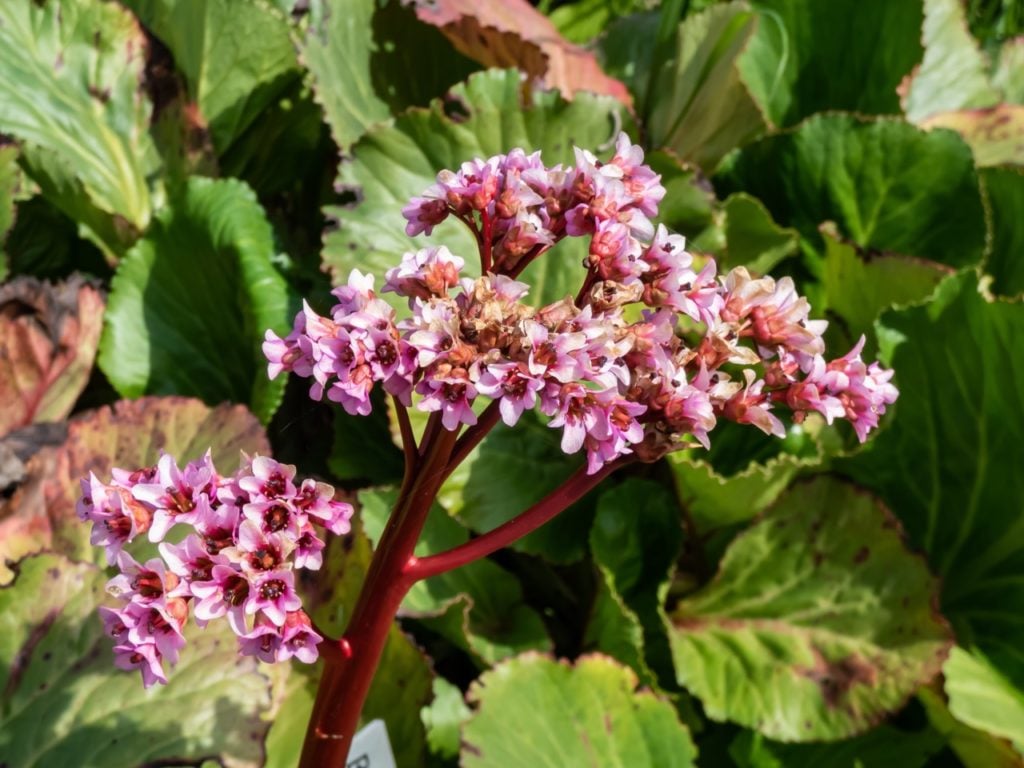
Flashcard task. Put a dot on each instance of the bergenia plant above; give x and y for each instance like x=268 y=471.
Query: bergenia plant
x=651 y=353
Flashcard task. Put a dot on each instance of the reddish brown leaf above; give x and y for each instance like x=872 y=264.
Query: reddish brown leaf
x=131 y=434
x=48 y=338
x=512 y=33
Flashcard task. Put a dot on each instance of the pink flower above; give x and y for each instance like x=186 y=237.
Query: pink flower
x=300 y=640
x=263 y=641
x=273 y=593
x=515 y=386
x=451 y=395
x=425 y=273
x=145 y=658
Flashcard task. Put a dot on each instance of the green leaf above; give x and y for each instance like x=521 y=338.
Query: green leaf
x=954 y=73
x=512 y=469
x=887 y=185
x=70 y=75
x=10 y=183
x=191 y=302
x=444 y=717
x=975 y=749
x=982 y=698
x=752 y=238
x=818 y=624
x=45 y=243
x=948 y=462
x=627 y=51
x=1004 y=192
x=64 y=702
x=393 y=163
x=688 y=205
x=589 y=714
x=615 y=630
x=635 y=540
x=362 y=447
x=883 y=745
x=700 y=108
x=478 y=607
x=370 y=59
x=1008 y=73
x=717 y=500
x=582 y=21
x=809 y=57
x=236 y=56
x=859 y=286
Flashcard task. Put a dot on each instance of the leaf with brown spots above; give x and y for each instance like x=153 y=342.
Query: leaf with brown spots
x=587 y=714
x=65 y=703
x=512 y=33
x=995 y=134
x=48 y=338
x=819 y=623
x=131 y=434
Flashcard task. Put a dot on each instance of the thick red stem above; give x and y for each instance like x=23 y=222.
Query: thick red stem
x=347 y=675
x=550 y=506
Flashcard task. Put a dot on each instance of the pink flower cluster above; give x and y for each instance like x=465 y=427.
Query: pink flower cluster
x=617 y=379
x=245 y=536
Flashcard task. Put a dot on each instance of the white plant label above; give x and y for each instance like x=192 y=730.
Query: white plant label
x=371 y=748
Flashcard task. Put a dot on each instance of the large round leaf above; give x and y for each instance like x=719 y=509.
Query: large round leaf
x=949 y=462
x=65 y=703
x=369 y=59
x=236 y=56
x=190 y=303
x=567 y=716
x=818 y=624
x=809 y=56
x=70 y=77
x=393 y=163
x=886 y=184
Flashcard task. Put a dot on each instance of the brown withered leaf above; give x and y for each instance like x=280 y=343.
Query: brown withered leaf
x=41 y=513
x=48 y=338
x=512 y=33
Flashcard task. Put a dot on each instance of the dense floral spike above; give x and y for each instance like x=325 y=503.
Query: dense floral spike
x=705 y=346
x=245 y=536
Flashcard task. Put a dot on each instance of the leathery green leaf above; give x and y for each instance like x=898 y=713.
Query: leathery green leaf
x=191 y=302
x=948 y=461
x=808 y=57
x=888 y=185
x=65 y=703
x=236 y=56
x=818 y=624
x=587 y=714
x=70 y=86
